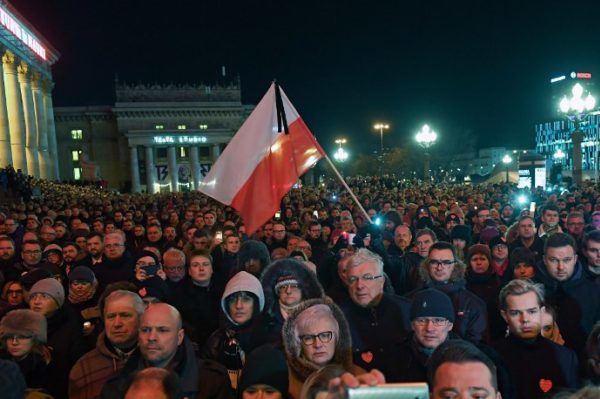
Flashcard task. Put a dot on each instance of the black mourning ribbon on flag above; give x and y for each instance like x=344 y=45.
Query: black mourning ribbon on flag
x=281 y=119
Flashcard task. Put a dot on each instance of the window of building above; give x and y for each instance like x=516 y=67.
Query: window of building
x=159 y=127
x=181 y=127
x=77 y=134
x=75 y=155
x=183 y=152
x=203 y=127
x=77 y=173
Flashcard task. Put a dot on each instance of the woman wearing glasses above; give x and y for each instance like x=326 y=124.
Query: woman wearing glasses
x=22 y=340
x=316 y=334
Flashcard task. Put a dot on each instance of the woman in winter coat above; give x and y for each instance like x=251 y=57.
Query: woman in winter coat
x=286 y=283
x=242 y=303
x=22 y=340
x=315 y=335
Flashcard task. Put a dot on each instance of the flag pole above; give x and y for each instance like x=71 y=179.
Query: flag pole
x=348 y=188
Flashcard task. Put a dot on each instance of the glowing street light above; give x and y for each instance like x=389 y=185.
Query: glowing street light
x=506 y=160
x=577 y=109
x=426 y=138
x=381 y=127
x=340 y=155
x=559 y=155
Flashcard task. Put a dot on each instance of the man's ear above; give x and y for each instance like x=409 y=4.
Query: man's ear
x=503 y=314
x=180 y=335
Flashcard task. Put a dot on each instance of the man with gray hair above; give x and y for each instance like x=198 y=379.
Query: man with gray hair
x=118 y=264
x=174 y=266
x=162 y=343
x=122 y=313
x=378 y=320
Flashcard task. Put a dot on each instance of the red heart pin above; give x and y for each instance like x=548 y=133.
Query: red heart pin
x=367 y=356
x=142 y=292
x=545 y=385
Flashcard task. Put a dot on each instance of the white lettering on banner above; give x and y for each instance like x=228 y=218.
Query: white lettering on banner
x=183 y=170
x=10 y=23
x=179 y=139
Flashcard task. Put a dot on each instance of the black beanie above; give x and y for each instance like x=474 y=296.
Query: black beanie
x=432 y=303
x=461 y=232
x=266 y=365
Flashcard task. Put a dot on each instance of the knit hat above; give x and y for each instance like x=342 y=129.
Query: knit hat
x=487 y=233
x=82 y=273
x=497 y=241
x=30 y=278
x=50 y=287
x=147 y=253
x=479 y=249
x=24 y=322
x=522 y=255
x=461 y=232
x=285 y=280
x=452 y=217
x=432 y=303
x=52 y=248
x=266 y=365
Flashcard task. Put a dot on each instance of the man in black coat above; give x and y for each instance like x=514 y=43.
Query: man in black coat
x=118 y=264
x=162 y=344
x=575 y=298
x=378 y=321
x=538 y=366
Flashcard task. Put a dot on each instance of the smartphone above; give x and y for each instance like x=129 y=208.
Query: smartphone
x=389 y=391
x=219 y=236
x=351 y=238
x=87 y=324
x=277 y=214
x=151 y=270
x=532 y=208
x=316 y=214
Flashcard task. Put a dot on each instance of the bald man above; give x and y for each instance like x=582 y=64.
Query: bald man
x=162 y=344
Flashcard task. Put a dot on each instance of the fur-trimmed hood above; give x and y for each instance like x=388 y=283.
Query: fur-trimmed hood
x=302 y=367
x=253 y=249
x=309 y=284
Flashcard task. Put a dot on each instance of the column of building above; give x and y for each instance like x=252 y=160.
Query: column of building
x=53 y=172
x=135 y=170
x=31 y=136
x=5 y=150
x=172 y=168
x=150 y=171
x=195 y=166
x=14 y=107
x=41 y=126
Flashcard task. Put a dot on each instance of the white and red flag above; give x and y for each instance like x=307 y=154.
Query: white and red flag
x=264 y=159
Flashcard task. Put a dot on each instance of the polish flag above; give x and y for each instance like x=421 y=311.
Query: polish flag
x=261 y=163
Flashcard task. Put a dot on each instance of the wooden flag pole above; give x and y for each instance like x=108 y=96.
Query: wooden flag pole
x=348 y=188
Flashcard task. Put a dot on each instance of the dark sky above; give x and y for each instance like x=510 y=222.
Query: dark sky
x=480 y=66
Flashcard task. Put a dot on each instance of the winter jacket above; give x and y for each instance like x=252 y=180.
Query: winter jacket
x=404 y=272
x=92 y=370
x=487 y=287
x=199 y=379
x=33 y=367
x=375 y=330
x=577 y=304
x=538 y=368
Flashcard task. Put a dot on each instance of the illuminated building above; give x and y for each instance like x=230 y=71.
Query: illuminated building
x=155 y=138
x=27 y=131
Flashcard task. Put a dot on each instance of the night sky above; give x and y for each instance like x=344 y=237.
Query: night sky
x=479 y=66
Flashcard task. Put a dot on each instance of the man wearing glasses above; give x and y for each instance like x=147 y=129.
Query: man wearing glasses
x=378 y=320
x=431 y=315
x=575 y=298
x=441 y=270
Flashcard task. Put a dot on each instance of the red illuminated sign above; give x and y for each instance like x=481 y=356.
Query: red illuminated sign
x=17 y=29
x=583 y=75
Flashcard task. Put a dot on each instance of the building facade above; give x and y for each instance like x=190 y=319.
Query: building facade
x=27 y=130
x=155 y=138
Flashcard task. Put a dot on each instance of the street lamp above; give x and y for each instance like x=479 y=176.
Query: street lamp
x=576 y=109
x=506 y=160
x=559 y=155
x=381 y=127
x=426 y=138
x=340 y=155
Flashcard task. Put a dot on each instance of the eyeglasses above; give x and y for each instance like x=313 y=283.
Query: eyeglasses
x=278 y=231
x=14 y=292
x=364 y=277
x=35 y=252
x=436 y=321
x=324 y=337
x=283 y=288
x=113 y=246
x=144 y=264
x=438 y=263
x=17 y=337
x=174 y=268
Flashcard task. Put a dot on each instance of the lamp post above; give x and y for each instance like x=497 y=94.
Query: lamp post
x=340 y=155
x=381 y=127
x=576 y=109
x=559 y=155
x=426 y=138
x=506 y=160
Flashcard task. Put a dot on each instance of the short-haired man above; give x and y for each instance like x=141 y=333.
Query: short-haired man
x=568 y=291
x=377 y=320
x=575 y=226
x=7 y=259
x=431 y=318
x=443 y=271
x=591 y=251
x=122 y=313
x=174 y=266
x=31 y=256
x=280 y=238
x=527 y=237
x=555 y=366
x=458 y=369
x=404 y=271
x=95 y=249
x=550 y=221
x=118 y=264
x=162 y=344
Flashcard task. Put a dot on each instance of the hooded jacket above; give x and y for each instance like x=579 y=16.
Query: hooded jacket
x=576 y=301
x=309 y=285
x=253 y=249
x=300 y=368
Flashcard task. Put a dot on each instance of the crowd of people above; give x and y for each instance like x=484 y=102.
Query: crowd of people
x=484 y=290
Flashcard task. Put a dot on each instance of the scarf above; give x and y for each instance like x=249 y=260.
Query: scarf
x=75 y=298
x=287 y=310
